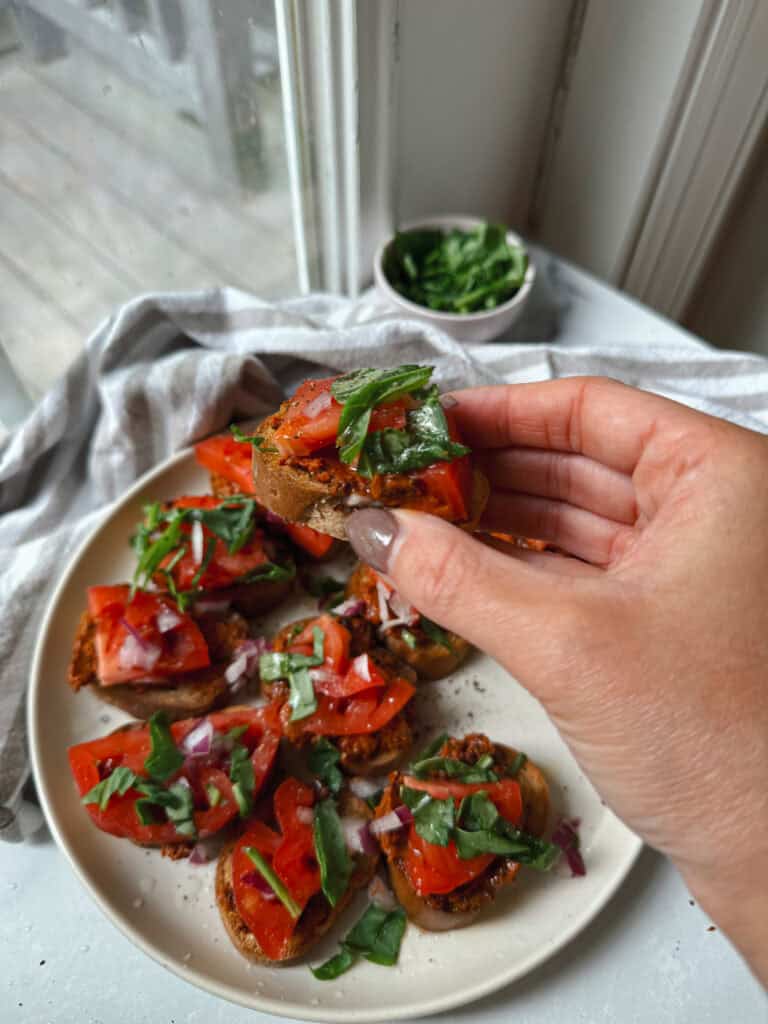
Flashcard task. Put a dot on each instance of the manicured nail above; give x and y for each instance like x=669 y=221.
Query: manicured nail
x=372 y=532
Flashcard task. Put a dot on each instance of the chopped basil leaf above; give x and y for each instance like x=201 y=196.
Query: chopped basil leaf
x=213 y=794
x=517 y=765
x=255 y=439
x=242 y=777
x=274 y=882
x=324 y=758
x=210 y=548
x=177 y=802
x=454 y=769
x=376 y=936
x=270 y=572
x=436 y=633
x=331 y=850
x=477 y=811
x=432 y=818
x=361 y=391
x=295 y=668
x=507 y=841
x=165 y=758
x=301 y=698
x=430 y=750
x=336 y=966
x=120 y=781
x=409 y=638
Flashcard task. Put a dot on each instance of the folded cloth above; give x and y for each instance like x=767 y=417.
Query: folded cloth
x=169 y=369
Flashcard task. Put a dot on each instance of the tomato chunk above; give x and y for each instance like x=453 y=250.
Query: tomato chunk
x=504 y=794
x=359 y=714
x=314 y=543
x=229 y=458
x=291 y=855
x=95 y=760
x=129 y=644
x=336 y=641
x=433 y=869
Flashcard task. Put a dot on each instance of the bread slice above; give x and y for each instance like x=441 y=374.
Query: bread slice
x=460 y=908
x=318 y=916
x=322 y=493
x=195 y=693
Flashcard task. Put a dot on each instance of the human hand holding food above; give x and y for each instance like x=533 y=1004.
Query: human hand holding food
x=649 y=648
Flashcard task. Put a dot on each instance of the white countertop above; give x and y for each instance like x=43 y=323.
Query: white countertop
x=649 y=958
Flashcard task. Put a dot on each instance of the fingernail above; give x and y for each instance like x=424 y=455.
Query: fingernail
x=372 y=532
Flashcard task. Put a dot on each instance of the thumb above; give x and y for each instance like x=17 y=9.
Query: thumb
x=513 y=610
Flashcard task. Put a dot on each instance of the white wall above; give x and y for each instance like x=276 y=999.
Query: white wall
x=475 y=87
x=627 y=68
x=730 y=307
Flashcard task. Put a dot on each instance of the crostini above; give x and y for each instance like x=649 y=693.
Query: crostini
x=457 y=826
x=431 y=651
x=337 y=685
x=282 y=885
x=164 y=785
x=370 y=437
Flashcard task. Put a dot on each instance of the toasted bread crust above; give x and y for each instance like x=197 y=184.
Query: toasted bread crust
x=318 y=916
x=317 y=491
x=459 y=908
x=200 y=692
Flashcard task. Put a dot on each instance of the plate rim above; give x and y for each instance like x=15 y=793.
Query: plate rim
x=194 y=976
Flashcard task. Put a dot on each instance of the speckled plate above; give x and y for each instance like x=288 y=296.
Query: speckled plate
x=167 y=908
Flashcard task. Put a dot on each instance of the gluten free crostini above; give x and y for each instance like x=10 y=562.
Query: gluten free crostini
x=458 y=825
x=431 y=651
x=284 y=882
x=162 y=785
x=337 y=685
x=370 y=437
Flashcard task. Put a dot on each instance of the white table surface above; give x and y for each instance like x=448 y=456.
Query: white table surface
x=649 y=958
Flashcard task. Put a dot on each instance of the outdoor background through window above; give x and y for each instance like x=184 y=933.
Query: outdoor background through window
x=141 y=149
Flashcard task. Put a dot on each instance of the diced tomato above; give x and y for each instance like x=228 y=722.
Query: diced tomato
x=336 y=641
x=505 y=794
x=291 y=855
x=229 y=458
x=314 y=543
x=224 y=568
x=92 y=761
x=433 y=869
x=358 y=714
x=449 y=486
x=129 y=645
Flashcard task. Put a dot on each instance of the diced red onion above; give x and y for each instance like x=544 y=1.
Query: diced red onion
x=351 y=828
x=383 y=592
x=324 y=675
x=362 y=666
x=198 y=542
x=318 y=404
x=273 y=518
x=367 y=842
x=402 y=609
x=212 y=606
x=355 y=500
x=183 y=781
x=391 y=623
x=138 y=654
x=134 y=632
x=167 y=619
x=198 y=743
x=236 y=669
x=257 y=880
x=448 y=401
x=206 y=850
x=566 y=836
x=352 y=606
x=392 y=821
x=306 y=815
x=364 y=788
x=380 y=894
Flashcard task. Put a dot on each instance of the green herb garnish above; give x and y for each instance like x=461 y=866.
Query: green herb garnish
x=436 y=633
x=274 y=882
x=176 y=801
x=517 y=765
x=481 y=829
x=295 y=668
x=376 y=936
x=242 y=777
x=119 y=782
x=409 y=638
x=433 y=819
x=457 y=271
x=455 y=769
x=331 y=851
x=324 y=758
x=326 y=588
x=165 y=758
x=255 y=439
x=430 y=750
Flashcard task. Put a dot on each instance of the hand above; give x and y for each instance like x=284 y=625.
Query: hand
x=649 y=649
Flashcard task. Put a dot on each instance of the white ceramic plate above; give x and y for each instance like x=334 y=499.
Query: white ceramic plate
x=168 y=908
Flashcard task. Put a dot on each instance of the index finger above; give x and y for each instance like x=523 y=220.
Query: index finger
x=595 y=416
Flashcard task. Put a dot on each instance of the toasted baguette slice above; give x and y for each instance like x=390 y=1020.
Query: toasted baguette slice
x=459 y=908
x=194 y=693
x=318 y=916
x=322 y=493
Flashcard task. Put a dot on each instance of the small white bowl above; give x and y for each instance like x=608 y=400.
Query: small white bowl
x=469 y=328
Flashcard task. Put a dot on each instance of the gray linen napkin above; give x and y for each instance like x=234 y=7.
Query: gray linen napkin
x=168 y=369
